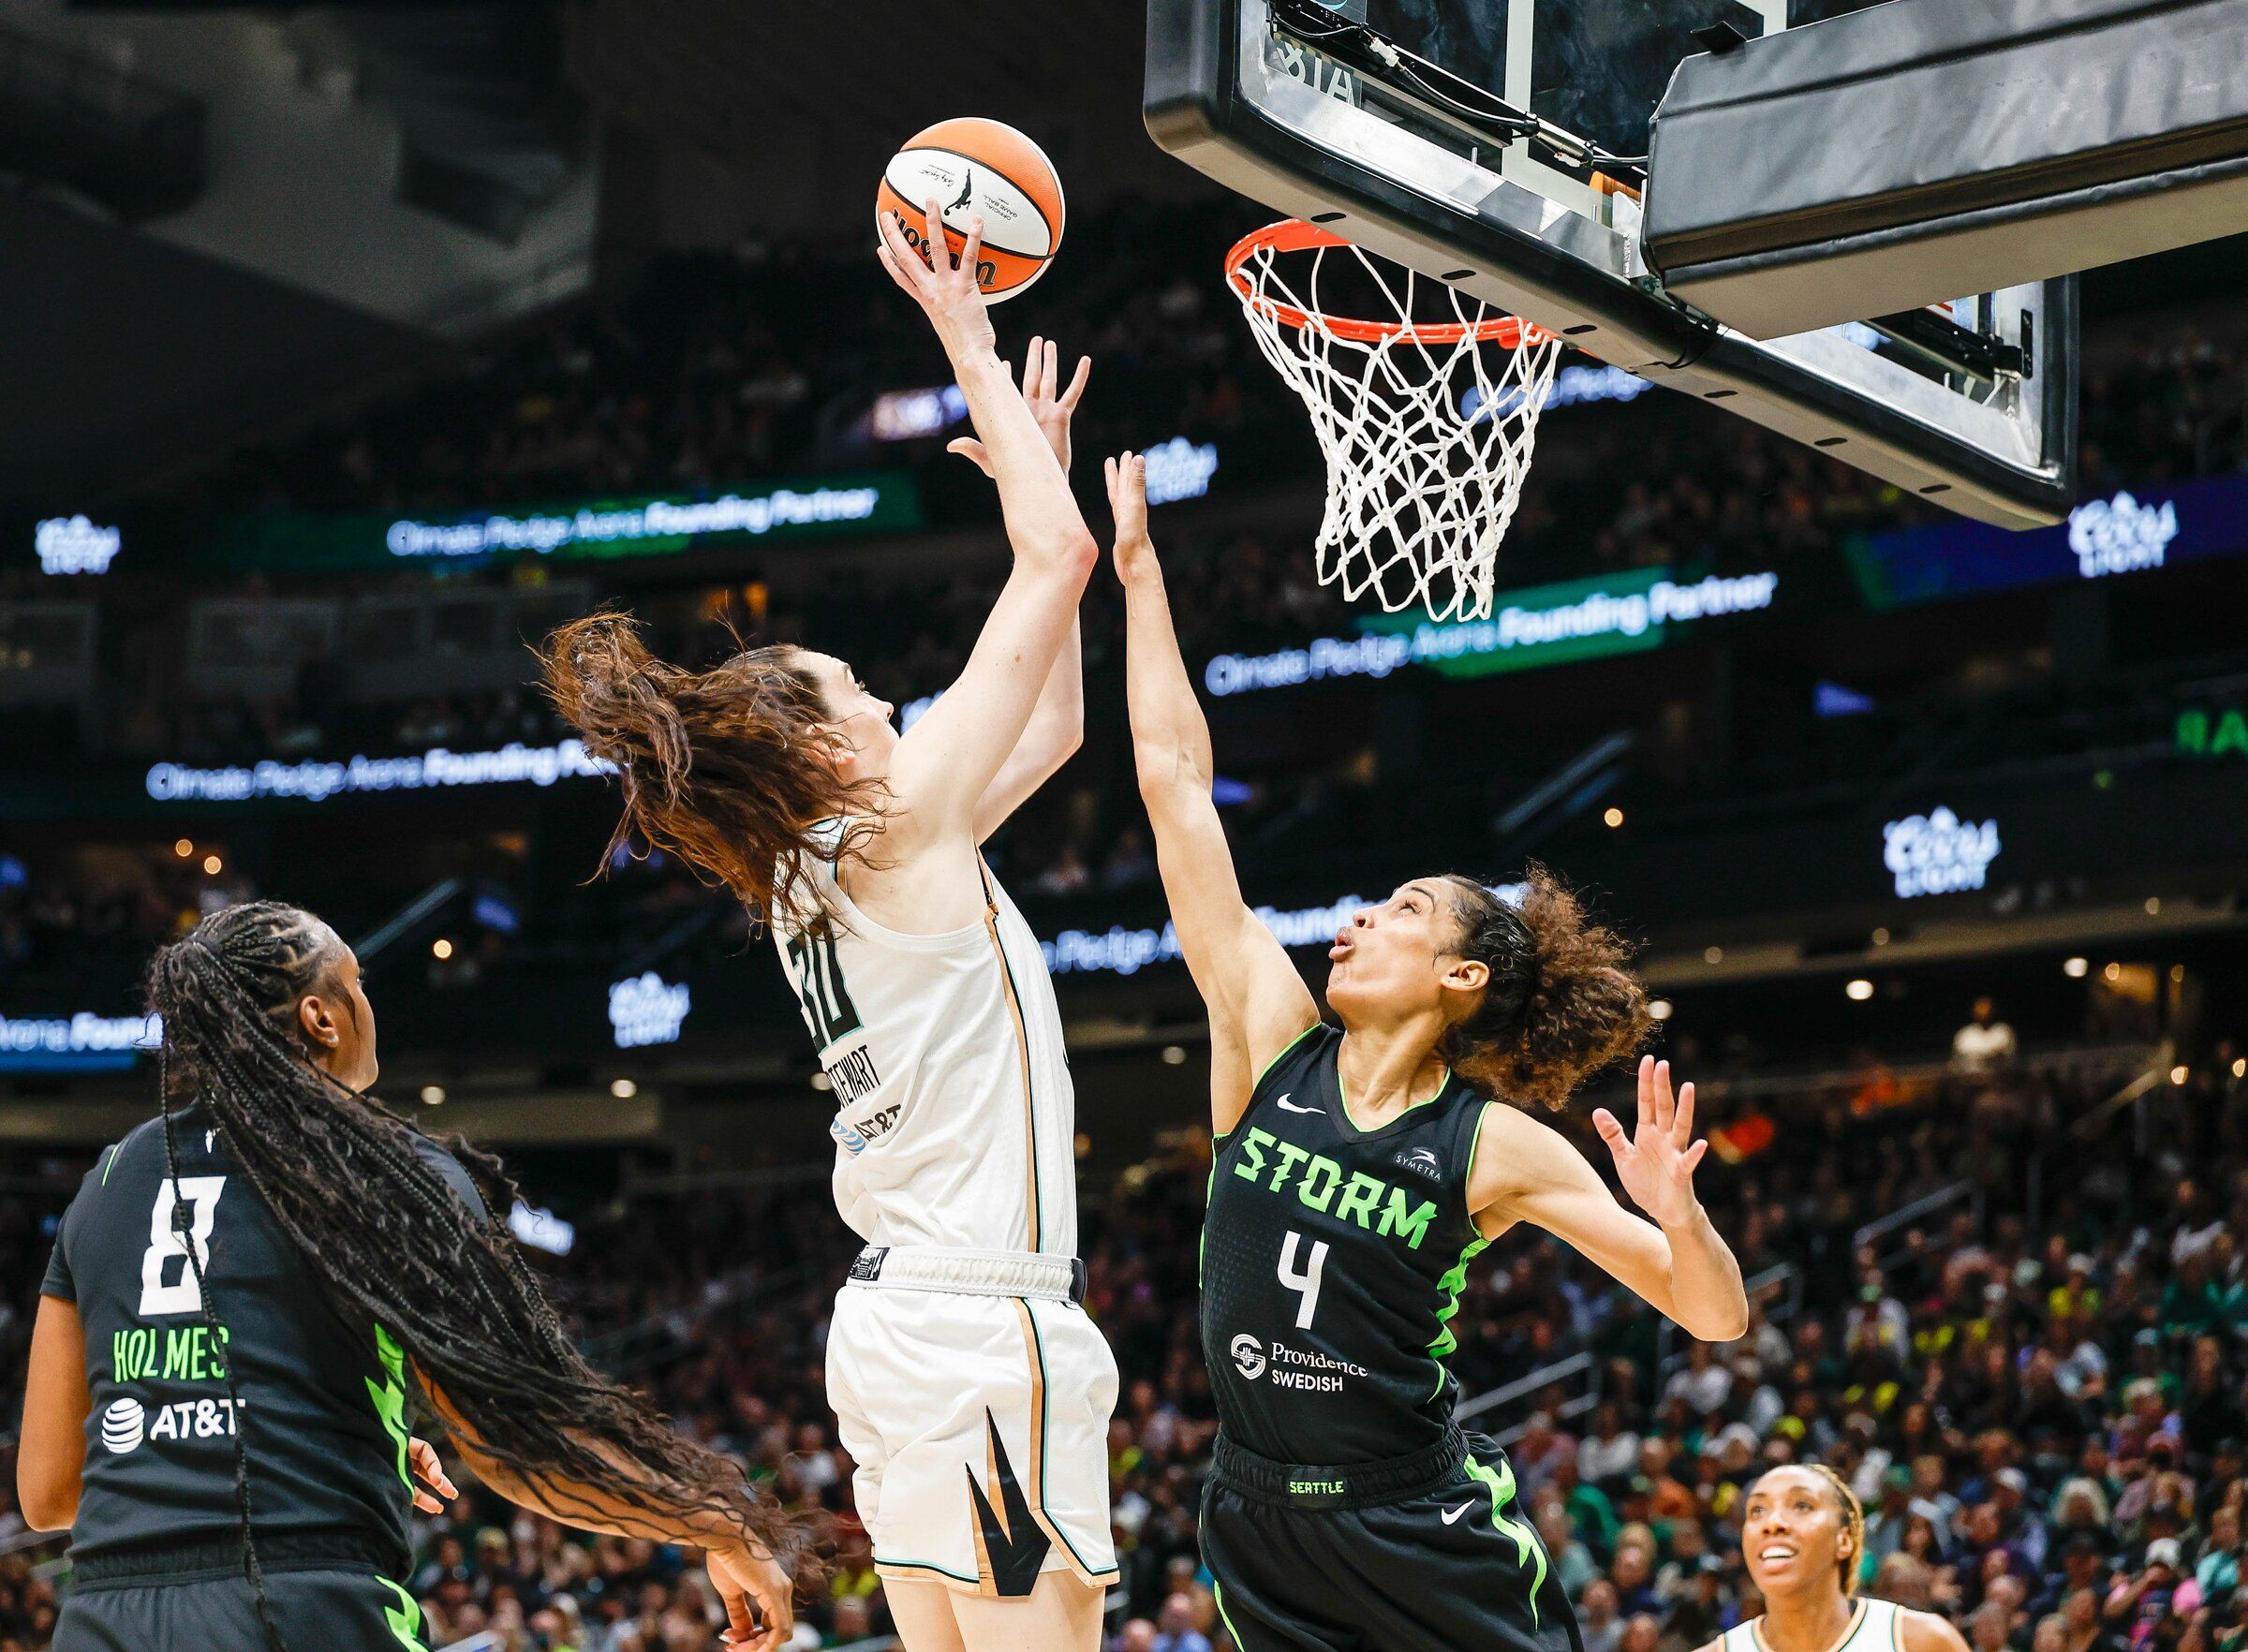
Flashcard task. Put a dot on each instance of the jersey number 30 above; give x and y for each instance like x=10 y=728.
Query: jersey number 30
x=167 y=1278
x=827 y=1007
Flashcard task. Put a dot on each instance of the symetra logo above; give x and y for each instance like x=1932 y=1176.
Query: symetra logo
x=1248 y=1356
x=1421 y=1161
x=1939 y=853
x=2120 y=535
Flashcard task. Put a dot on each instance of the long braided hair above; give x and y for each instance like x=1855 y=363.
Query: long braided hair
x=1854 y=1524
x=388 y=1238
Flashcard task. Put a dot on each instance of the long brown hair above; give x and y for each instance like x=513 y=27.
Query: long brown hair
x=1560 y=1006
x=721 y=768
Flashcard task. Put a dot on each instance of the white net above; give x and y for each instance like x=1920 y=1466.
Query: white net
x=1426 y=427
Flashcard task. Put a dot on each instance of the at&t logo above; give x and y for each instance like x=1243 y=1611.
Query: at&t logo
x=124 y=1424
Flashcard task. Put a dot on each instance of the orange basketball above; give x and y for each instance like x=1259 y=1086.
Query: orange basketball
x=976 y=168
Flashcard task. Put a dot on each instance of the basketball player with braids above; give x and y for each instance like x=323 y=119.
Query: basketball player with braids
x=968 y=1382
x=1359 y=1168
x=1803 y=1539
x=246 y=1297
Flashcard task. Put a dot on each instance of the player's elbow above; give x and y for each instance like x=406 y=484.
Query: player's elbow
x=48 y=1501
x=1728 y=1324
x=1069 y=554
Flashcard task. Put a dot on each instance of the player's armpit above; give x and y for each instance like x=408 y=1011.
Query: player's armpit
x=1528 y=1172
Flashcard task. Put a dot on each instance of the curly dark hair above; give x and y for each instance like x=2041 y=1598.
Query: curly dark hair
x=394 y=1244
x=1560 y=1006
x=719 y=767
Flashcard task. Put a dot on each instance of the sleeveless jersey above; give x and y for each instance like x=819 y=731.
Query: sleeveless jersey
x=955 y=1120
x=1875 y=1625
x=324 y=1414
x=1333 y=1258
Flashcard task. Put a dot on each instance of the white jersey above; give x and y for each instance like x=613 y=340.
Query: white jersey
x=1875 y=1625
x=955 y=1120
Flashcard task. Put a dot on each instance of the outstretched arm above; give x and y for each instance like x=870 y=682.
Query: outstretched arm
x=947 y=760
x=1057 y=726
x=1527 y=1172
x=741 y=1572
x=1257 y=1001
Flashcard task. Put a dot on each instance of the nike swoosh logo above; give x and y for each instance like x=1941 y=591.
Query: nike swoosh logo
x=1285 y=1107
x=1458 y=1512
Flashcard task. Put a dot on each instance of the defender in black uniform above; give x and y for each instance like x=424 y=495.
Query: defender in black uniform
x=249 y=1296
x=1358 y=1171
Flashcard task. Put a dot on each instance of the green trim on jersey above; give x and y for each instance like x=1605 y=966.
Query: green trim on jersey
x=111 y=1165
x=403 y=1618
x=1527 y=1550
x=390 y=1397
x=1266 y=1071
x=1217 y=1595
x=1350 y=1119
x=1452 y=1284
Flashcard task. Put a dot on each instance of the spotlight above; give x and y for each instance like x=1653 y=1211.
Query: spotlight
x=1614 y=816
x=214 y=865
x=2075 y=968
x=440 y=948
x=184 y=848
x=1859 y=990
x=433 y=1095
x=2177 y=974
x=1174 y=1056
x=821 y=1082
x=2239 y=1067
x=2177 y=1075
x=2153 y=907
x=2113 y=972
x=1880 y=937
x=1714 y=954
x=1658 y=1008
x=622 y=1090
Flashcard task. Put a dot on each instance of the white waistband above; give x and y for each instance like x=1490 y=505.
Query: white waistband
x=966 y=1272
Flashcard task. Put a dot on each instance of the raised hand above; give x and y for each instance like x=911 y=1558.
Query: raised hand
x=1051 y=406
x=1656 y=1161
x=945 y=290
x=745 y=1575
x=1127 y=478
x=435 y=1486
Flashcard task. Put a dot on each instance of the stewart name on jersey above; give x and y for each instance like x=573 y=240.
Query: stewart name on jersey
x=1333 y=1259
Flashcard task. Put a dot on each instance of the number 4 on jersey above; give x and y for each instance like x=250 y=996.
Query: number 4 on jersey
x=1306 y=1281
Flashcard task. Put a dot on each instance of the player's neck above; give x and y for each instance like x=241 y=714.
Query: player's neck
x=1815 y=1620
x=1386 y=1069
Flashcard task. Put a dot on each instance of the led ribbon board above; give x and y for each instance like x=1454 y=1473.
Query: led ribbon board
x=2130 y=532
x=590 y=529
x=1542 y=625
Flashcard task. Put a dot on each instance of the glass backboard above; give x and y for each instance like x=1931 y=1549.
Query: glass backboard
x=1972 y=404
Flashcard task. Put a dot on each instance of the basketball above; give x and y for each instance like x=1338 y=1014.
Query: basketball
x=977 y=167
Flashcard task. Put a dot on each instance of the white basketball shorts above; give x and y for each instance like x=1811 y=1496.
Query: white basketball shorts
x=980 y=1427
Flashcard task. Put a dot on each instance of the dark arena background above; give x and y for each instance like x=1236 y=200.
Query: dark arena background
x=351 y=349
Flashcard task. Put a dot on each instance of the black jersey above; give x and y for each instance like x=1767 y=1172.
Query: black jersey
x=1333 y=1258
x=324 y=1399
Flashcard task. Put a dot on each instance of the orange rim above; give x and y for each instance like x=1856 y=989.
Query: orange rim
x=1296 y=235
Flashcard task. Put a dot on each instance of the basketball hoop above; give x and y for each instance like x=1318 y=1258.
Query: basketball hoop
x=1428 y=428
